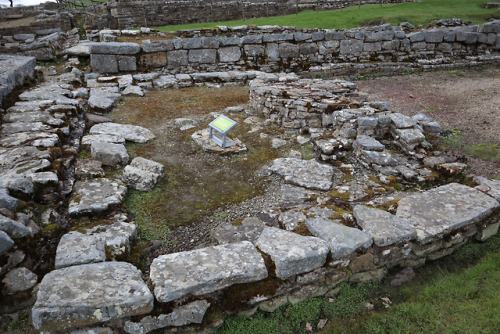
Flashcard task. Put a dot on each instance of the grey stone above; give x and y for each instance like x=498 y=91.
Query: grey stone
x=434 y=36
x=143 y=174
x=328 y=47
x=157 y=46
x=94 y=330
x=76 y=248
x=144 y=77
x=308 y=48
x=206 y=270
x=20 y=187
x=271 y=38
x=102 y=100
x=252 y=50
x=104 y=63
x=351 y=47
x=109 y=154
x=164 y=81
x=88 y=294
x=410 y=136
x=272 y=52
x=125 y=81
x=492 y=186
x=318 y=36
x=445 y=209
x=367 y=121
x=301 y=36
x=133 y=90
x=292 y=254
x=421 y=118
x=368 y=143
x=13 y=228
x=131 y=133
x=292 y=194
x=18 y=280
x=249 y=230
x=277 y=143
x=177 y=58
x=416 y=37
x=81 y=50
x=334 y=35
x=43 y=179
x=384 y=158
x=308 y=174
x=203 y=56
x=224 y=41
x=251 y=39
x=127 y=63
x=112 y=48
x=202 y=138
x=96 y=196
x=288 y=50
x=6 y=242
x=291 y=219
x=6 y=201
x=380 y=105
x=229 y=54
x=88 y=169
x=385 y=229
x=342 y=240
x=401 y=121
x=192 y=313
x=89 y=139
x=117 y=233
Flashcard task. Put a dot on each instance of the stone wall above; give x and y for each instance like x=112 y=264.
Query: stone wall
x=133 y=13
x=14 y=72
x=274 y=49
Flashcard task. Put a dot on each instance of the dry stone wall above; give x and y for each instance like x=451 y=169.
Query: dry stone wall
x=274 y=49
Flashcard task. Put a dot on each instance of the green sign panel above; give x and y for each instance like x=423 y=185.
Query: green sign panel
x=223 y=123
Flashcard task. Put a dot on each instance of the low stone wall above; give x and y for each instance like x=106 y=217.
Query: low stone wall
x=150 y=13
x=289 y=49
x=14 y=71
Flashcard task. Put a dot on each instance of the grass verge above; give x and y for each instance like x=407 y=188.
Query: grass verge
x=415 y=12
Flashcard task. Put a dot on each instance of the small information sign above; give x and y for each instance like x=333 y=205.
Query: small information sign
x=221 y=125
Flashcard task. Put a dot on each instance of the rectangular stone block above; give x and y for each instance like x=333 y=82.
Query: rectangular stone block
x=229 y=54
x=177 y=58
x=277 y=38
x=153 y=60
x=115 y=48
x=288 y=50
x=157 y=46
x=203 y=56
x=351 y=47
x=127 y=63
x=206 y=270
x=104 y=63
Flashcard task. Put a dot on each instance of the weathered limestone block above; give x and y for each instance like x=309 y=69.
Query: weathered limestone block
x=112 y=48
x=205 y=270
x=292 y=253
x=88 y=294
x=109 y=154
x=133 y=133
x=288 y=50
x=203 y=56
x=490 y=187
x=103 y=100
x=253 y=50
x=76 y=248
x=385 y=229
x=153 y=60
x=191 y=313
x=103 y=138
x=143 y=174
x=401 y=121
x=164 y=81
x=307 y=174
x=117 y=233
x=367 y=143
x=291 y=219
x=157 y=46
x=249 y=230
x=442 y=210
x=177 y=58
x=7 y=201
x=342 y=240
x=127 y=63
x=104 y=63
x=95 y=196
x=351 y=47
x=133 y=90
x=18 y=280
x=13 y=228
x=6 y=242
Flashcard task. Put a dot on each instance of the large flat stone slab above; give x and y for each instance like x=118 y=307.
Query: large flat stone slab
x=76 y=248
x=292 y=253
x=385 y=229
x=143 y=174
x=89 y=294
x=94 y=196
x=442 y=210
x=132 y=133
x=489 y=187
x=205 y=270
x=14 y=70
x=342 y=240
x=304 y=173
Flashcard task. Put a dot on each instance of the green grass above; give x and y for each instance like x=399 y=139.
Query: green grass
x=484 y=151
x=415 y=12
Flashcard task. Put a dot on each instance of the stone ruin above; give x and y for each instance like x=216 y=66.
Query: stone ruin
x=340 y=217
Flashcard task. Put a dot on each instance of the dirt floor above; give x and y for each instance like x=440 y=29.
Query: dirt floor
x=25 y=21
x=465 y=102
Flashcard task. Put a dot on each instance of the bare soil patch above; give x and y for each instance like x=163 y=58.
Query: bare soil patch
x=25 y=21
x=466 y=102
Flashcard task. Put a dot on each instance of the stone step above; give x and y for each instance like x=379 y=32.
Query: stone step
x=133 y=133
x=89 y=294
x=96 y=196
x=307 y=174
x=206 y=270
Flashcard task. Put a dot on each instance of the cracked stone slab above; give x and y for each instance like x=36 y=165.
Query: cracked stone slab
x=342 y=240
x=95 y=196
x=205 y=270
x=133 y=133
x=385 y=229
x=76 y=248
x=304 y=173
x=109 y=154
x=191 y=313
x=89 y=139
x=292 y=253
x=117 y=234
x=88 y=294
x=249 y=230
x=143 y=174
x=442 y=210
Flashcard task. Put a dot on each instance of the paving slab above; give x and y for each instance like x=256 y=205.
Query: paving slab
x=304 y=173
x=385 y=229
x=95 y=196
x=76 y=248
x=206 y=270
x=132 y=133
x=442 y=210
x=292 y=253
x=89 y=294
x=342 y=240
